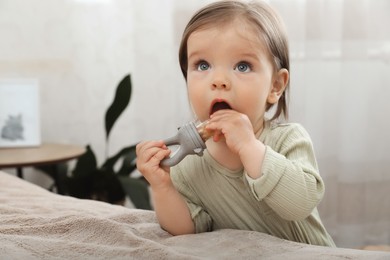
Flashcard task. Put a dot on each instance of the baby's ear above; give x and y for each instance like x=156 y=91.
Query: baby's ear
x=279 y=85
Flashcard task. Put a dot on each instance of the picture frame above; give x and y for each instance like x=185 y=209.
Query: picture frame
x=19 y=113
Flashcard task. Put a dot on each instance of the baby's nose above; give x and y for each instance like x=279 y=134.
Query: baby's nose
x=221 y=81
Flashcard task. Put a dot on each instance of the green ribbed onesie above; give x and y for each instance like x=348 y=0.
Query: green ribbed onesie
x=282 y=202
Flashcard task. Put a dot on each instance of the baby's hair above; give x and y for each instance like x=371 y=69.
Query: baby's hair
x=261 y=17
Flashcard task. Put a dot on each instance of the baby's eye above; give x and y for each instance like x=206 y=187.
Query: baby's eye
x=203 y=65
x=243 y=67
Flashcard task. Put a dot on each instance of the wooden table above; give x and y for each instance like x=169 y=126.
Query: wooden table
x=45 y=154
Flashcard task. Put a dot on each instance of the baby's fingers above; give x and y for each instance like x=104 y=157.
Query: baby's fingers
x=159 y=156
x=218 y=135
x=149 y=152
x=145 y=145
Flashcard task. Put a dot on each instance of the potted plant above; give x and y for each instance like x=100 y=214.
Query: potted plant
x=89 y=180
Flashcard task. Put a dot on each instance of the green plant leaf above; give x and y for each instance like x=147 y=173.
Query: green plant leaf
x=103 y=183
x=129 y=163
x=137 y=191
x=128 y=151
x=120 y=102
x=107 y=187
x=86 y=163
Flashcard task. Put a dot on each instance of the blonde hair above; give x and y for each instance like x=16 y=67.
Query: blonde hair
x=264 y=20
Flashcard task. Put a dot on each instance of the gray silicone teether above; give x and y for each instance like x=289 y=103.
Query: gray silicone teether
x=189 y=142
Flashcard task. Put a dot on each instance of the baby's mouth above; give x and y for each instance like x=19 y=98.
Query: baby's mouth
x=219 y=105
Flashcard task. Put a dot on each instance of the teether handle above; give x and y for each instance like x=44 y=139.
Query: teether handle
x=189 y=142
x=177 y=156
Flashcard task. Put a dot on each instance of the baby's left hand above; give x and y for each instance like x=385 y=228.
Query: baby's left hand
x=234 y=126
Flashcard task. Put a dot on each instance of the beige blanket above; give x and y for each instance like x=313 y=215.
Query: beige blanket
x=37 y=224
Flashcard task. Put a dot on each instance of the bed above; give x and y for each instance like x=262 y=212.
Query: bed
x=38 y=224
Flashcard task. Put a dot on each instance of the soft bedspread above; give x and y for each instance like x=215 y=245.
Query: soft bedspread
x=38 y=224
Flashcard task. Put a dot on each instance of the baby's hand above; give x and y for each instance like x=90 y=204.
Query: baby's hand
x=149 y=156
x=235 y=127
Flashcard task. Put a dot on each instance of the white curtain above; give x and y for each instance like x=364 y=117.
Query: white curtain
x=340 y=91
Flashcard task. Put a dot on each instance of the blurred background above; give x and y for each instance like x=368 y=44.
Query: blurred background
x=79 y=50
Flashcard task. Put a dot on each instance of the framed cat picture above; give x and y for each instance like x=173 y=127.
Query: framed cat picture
x=19 y=113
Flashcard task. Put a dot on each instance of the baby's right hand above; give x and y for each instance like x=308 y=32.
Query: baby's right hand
x=149 y=156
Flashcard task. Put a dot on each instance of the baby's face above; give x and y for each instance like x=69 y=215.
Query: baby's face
x=229 y=67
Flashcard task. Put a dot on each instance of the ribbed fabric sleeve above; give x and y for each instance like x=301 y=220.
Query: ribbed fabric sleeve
x=282 y=202
x=290 y=182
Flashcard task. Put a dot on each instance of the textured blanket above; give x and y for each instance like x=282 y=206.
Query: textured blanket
x=38 y=224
